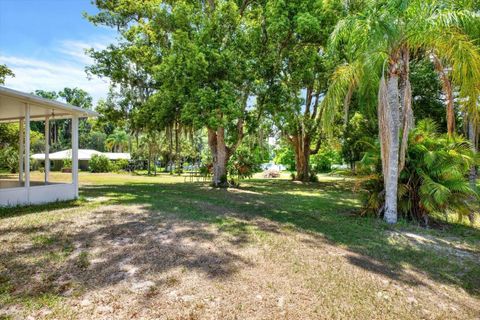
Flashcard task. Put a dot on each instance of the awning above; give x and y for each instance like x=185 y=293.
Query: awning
x=12 y=107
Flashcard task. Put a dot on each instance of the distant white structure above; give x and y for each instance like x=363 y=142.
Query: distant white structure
x=84 y=156
x=273 y=166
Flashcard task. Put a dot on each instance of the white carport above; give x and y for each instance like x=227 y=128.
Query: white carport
x=16 y=106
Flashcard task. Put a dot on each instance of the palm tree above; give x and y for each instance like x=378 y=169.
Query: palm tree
x=473 y=132
x=379 y=40
x=447 y=87
x=117 y=141
x=433 y=180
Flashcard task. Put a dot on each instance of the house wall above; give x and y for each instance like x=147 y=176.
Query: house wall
x=83 y=165
x=57 y=165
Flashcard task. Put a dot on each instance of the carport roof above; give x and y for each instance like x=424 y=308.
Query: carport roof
x=12 y=107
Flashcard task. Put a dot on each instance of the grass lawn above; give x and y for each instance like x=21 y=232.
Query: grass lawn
x=161 y=248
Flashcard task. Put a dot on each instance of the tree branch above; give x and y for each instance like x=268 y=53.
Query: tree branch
x=240 y=127
x=315 y=106
x=308 y=101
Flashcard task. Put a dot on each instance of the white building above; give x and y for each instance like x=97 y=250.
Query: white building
x=84 y=156
x=16 y=106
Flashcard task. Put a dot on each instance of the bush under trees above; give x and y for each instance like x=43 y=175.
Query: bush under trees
x=100 y=163
x=9 y=159
x=434 y=180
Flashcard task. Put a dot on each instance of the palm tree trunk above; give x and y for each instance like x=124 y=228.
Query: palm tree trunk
x=406 y=115
x=346 y=105
x=473 y=175
x=389 y=127
x=448 y=91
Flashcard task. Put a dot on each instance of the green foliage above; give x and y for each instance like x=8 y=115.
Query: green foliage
x=67 y=164
x=319 y=162
x=4 y=73
x=297 y=69
x=9 y=135
x=434 y=179
x=61 y=129
x=245 y=162
x=91 y=134
x=77 y=97
x=9 y=159
x=285 y=156
x=117 y=141
x=99 y=163
x=357 y=139
x=427 y=92
x=94 y=140
x=37 y=142
x=9 y=146
x=322 y=161
x=121 y=164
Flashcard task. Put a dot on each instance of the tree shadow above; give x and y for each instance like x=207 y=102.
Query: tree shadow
x=320 y=209
x=111 y=247
x=160 y=227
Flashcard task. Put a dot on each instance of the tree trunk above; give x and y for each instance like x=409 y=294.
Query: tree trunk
x=220 y=154
x=473 y=175
x=406 y=121
x=450 y=111
x=389 y=126
x=448 y=91
x=149 y=163
x=155 y=165
x=346 y=105
x=302 y=158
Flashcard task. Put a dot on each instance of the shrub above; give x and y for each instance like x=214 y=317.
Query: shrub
x=322 y=161
x=34 y=164
x=121 y=164
x=67 y=164
x=178 y=168
x=244 y=163
x=206 y=170
x=9 y=159
x=100 y=163
x=285 y=156
x=433 y=180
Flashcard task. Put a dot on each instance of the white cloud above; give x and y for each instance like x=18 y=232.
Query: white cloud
x=66 y=68
x=75 y=49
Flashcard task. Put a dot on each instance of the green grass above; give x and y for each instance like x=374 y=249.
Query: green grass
x=327 y=209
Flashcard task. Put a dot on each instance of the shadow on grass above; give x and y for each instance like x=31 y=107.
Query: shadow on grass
x=132 y=244
x=325 y=209
x=165 y=226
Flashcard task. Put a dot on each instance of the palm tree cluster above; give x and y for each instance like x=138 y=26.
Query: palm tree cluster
x=117 y=141
x=433 y=180
x=379 y=41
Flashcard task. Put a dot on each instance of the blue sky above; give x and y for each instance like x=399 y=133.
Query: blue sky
x=43 y=42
